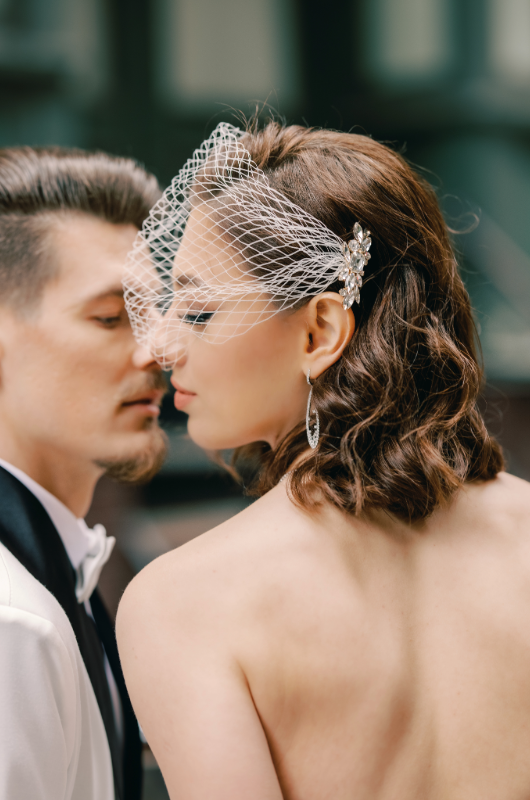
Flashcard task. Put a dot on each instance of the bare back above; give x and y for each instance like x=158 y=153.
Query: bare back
x=382 y=662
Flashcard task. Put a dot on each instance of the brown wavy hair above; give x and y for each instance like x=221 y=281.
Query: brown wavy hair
x=400 y=425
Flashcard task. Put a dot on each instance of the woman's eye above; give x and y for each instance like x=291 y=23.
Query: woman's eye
x=201 y=318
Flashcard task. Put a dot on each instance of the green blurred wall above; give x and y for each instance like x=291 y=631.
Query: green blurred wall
x=446 y=80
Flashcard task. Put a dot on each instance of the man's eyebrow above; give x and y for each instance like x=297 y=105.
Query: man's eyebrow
x=113 y=291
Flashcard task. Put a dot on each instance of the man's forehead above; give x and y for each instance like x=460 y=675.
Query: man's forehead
x=75 y=231
x=89 y=256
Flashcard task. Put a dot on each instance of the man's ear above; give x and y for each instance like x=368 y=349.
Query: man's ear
x=329 y=330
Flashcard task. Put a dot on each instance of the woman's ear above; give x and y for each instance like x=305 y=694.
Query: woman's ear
x=329 y=329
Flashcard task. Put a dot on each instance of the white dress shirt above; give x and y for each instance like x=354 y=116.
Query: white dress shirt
x=53 y=744
x=79 y=540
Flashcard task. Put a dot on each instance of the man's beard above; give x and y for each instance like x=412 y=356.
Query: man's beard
x=144 y=465
x=141 y=467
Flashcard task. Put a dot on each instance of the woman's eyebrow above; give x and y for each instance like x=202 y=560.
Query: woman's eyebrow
x=187 y=280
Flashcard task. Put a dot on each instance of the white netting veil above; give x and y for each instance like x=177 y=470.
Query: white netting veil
x=223 y=250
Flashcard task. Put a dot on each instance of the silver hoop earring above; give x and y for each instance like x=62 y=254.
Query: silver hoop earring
x=312 y=435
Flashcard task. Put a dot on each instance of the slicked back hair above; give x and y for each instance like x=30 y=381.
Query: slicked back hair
x=37 y=185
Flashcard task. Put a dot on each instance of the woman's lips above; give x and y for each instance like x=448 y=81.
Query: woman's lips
x=182 y=397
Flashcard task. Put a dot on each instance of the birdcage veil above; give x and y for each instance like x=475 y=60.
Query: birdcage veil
x=223 y=250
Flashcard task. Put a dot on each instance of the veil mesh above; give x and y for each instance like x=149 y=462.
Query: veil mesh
x=222 y=251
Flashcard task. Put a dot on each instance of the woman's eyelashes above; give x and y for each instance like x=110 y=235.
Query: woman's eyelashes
x=200 y=318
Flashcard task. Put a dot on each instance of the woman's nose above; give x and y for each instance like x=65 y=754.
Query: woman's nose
x=168 y=341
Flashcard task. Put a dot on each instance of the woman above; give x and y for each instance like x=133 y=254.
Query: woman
x=361 y=631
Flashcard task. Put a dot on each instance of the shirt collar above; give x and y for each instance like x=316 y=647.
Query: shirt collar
x=75 y=534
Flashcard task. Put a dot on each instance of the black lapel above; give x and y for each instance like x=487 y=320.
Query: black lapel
x=29 y=534
x=132 y=746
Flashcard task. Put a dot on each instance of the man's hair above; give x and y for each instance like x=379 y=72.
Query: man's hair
x=400 y=427
x=36 y=185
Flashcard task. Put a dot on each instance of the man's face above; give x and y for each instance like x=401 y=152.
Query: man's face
x=72 y=382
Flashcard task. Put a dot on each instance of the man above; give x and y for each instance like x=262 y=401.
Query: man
x=78 y=399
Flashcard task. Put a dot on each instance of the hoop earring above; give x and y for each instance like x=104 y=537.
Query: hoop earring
x=312 y=435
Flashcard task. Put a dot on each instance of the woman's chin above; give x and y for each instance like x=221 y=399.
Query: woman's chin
x=209 y=438
x=214 y=438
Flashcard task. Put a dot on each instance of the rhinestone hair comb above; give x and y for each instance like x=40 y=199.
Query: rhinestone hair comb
x=356 y=256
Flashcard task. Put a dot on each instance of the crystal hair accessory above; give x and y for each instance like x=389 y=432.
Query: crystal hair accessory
x=223 y=250
x=356 y=257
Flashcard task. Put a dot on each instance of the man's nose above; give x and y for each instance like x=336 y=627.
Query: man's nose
x=143 y=357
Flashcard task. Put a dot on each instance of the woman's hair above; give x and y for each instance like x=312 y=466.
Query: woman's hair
x=400 y=427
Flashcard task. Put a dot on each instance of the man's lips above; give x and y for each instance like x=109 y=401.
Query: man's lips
x=148 y=402
x=182 y=396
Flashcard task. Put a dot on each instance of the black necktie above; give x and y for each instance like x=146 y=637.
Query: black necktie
x=93 y=657
x=132 y=747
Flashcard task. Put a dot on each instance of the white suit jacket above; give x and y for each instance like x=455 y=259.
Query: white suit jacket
x=53 y=745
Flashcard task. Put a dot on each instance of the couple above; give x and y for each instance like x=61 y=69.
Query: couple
x=360 y=631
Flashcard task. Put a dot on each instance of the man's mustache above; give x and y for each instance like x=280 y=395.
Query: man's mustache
x=153 y=382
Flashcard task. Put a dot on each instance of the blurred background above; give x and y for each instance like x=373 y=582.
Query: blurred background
x=447 y=82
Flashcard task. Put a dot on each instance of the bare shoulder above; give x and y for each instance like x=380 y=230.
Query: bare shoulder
x=223 y=567
x=180 y=626
x=275 y=542
x=503 y=503
x=490 y=531
x=511 y=487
